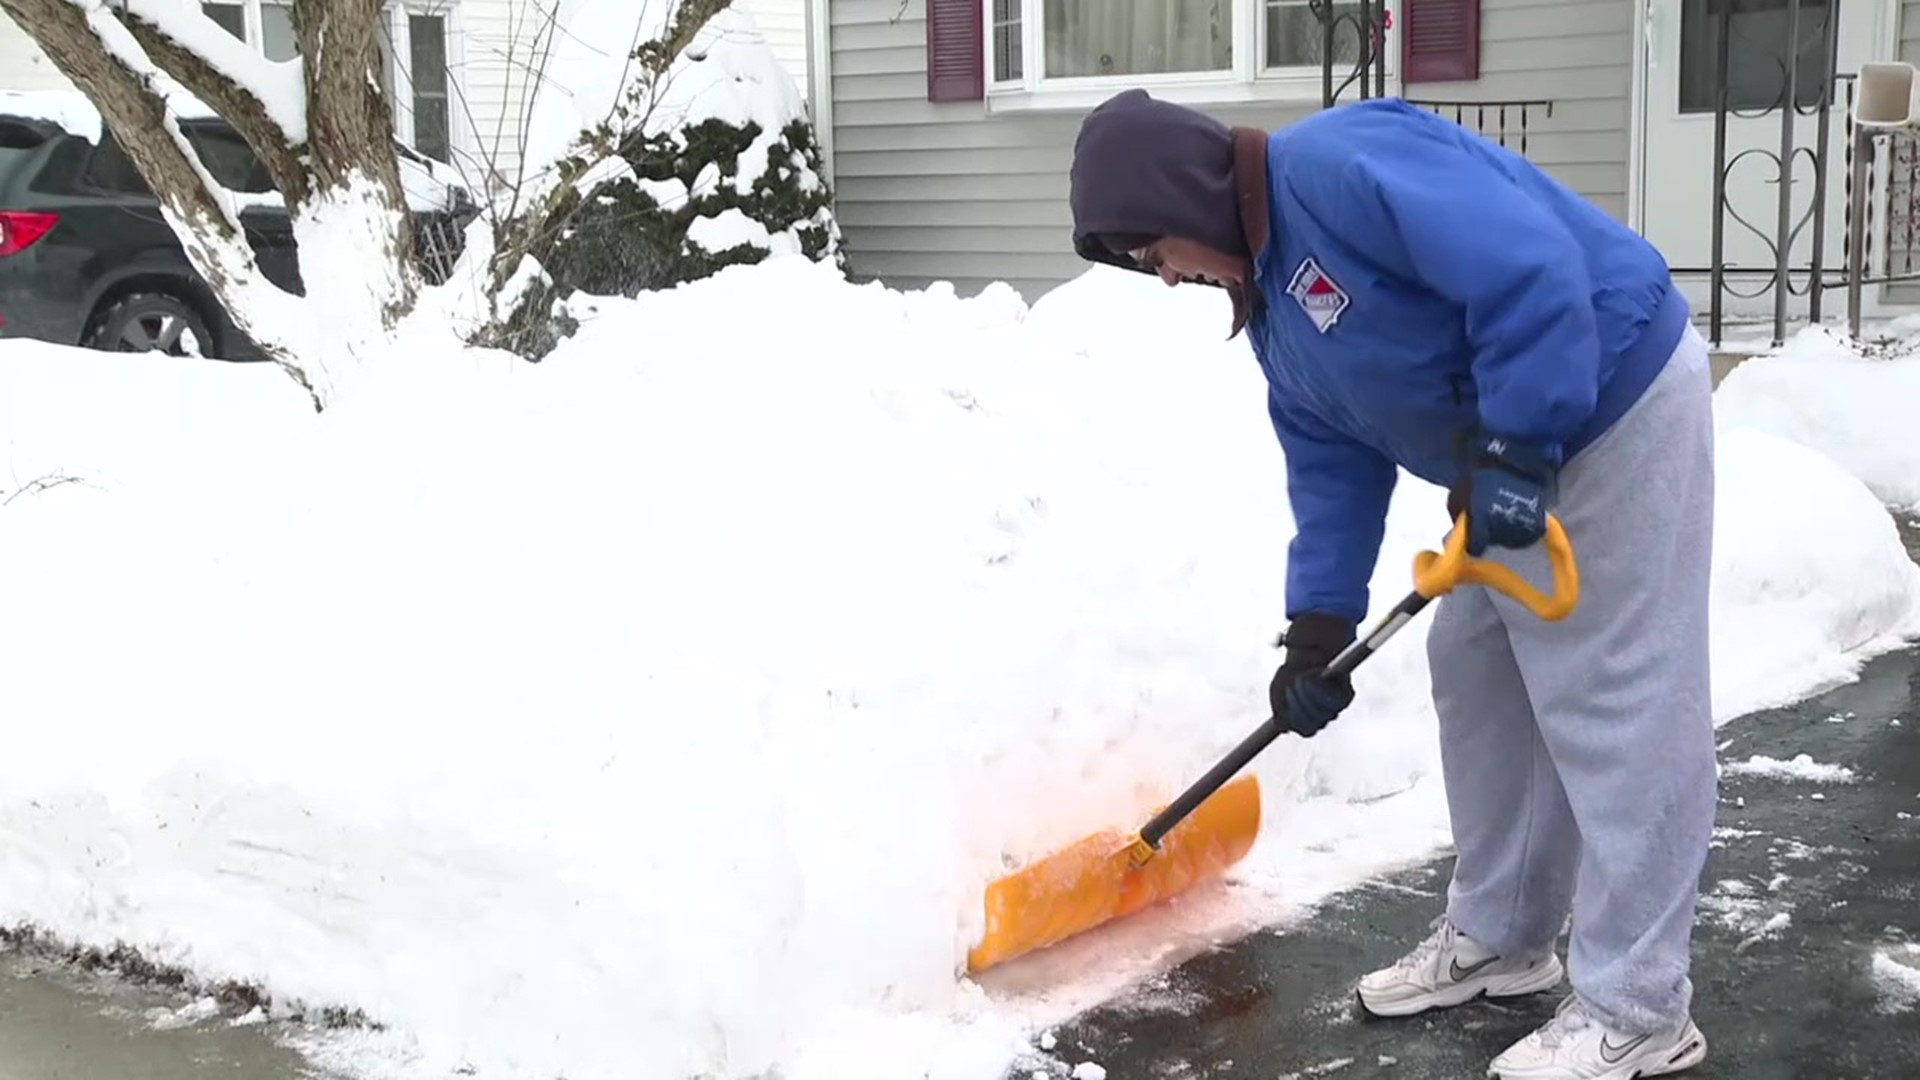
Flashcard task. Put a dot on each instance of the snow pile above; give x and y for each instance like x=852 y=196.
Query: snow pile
x=1804 y=549
x=1896 y=977
x=1820 y=391
x=1802 y=767
x=663 y=711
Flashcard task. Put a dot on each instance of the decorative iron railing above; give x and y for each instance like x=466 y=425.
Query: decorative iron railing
x=1511 y=121
x=1353 y=37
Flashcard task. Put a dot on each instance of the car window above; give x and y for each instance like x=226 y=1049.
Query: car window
x=110 y=169
x=17 y=143
x=15 y=135
x=228 y=157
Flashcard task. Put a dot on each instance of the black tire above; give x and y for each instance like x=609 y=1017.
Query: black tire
x=150 y=321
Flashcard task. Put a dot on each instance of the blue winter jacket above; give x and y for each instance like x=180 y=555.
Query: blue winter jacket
x=1421 y=282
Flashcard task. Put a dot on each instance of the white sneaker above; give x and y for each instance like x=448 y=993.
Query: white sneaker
x=1576 y=1045
x=1450 y=968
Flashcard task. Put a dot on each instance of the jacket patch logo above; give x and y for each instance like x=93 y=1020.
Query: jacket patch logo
x=1319 y=297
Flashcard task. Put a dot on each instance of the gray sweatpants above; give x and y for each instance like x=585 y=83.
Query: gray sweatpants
x=1578 y=755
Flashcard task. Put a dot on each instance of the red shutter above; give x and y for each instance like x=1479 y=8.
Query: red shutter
x=1440 y=40
x=956 y=64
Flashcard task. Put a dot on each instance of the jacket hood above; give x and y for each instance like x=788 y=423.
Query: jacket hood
x=1145 y=169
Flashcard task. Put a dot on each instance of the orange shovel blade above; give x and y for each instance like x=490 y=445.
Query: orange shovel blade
x=1094 y=881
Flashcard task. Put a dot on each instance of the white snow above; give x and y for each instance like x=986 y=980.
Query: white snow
x=1819 y=390
x=732 y=228
x=69 y=110
x=1896 y=977
x=1805 y=549
x=729 y=72
x=1802 y=767
x=663 y=708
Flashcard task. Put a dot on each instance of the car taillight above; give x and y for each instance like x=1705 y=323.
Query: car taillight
x=19 y=229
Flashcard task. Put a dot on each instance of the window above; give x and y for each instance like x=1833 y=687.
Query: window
x=277 y=39
x=228 y=158
x=427 y=42
x=231 y=17
x=416 y=39
x=1233 y=45
x=267 y=25
x=1756 y=54
x=419 y=39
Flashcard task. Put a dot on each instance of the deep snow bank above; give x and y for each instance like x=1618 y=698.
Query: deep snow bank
x=662 y=709
x=1819 y=390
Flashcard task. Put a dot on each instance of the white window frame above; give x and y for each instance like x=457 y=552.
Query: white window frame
x=1248 y=80
x=460 y=129
x=399 y=63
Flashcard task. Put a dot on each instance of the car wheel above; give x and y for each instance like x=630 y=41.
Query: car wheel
x=149 y=322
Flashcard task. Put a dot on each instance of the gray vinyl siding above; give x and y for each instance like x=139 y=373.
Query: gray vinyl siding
x=929 y=192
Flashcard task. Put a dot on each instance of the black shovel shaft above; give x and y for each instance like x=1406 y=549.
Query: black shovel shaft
x=1350 y=657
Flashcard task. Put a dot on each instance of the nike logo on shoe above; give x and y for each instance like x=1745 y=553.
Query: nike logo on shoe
x=1460 y=974
x=1614 y=1055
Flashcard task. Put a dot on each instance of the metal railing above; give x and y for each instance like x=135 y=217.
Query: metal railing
x=1357 y=30
x=1510 y=119
x=1883 y=166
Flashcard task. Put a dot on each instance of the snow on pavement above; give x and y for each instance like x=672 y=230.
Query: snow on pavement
x=663 y=708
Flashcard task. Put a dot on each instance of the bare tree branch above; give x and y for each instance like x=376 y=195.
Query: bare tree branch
x=44 y=483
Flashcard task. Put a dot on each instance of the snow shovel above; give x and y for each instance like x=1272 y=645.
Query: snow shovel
x=1108 y=876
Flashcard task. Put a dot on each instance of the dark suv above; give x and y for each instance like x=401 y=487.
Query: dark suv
x=87 y=259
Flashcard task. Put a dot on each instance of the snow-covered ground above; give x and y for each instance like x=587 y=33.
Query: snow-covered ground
x=662 y=709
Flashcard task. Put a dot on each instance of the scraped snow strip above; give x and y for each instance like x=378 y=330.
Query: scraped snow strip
x=1802 y=767
x=663 y=708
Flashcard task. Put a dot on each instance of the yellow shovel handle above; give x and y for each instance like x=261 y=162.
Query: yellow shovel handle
x=1436 y=574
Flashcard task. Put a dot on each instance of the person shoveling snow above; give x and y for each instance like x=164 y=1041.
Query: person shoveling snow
x=1421 y=298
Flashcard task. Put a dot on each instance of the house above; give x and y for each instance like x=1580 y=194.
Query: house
x=949 y=123
x=460 y=71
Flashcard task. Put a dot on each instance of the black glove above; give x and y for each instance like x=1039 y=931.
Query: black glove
x=1304 y=700
x=1505 y=490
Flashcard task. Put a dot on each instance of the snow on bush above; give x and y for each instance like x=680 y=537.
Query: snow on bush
x=664 y=712
x=649 y=169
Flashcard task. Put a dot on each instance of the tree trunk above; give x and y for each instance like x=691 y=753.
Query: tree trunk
x=330 y=154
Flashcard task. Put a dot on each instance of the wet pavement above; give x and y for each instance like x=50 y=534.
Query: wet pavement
x=60 y=1024
x=1805 y=882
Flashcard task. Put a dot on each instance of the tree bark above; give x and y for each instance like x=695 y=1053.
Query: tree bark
x=350 y=122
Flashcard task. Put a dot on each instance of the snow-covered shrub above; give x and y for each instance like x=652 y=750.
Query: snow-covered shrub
x=702 y=157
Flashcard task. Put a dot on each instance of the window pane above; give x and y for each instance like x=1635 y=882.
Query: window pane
x=1295 y=37
x=427 y=40
x=228 y=157
x=276 y=32
x=1756 y=54
x=430 y=127
x=110 y=169
x=1138 y=37
x=231 y=17
x=427 y=52
x=1008 y=43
